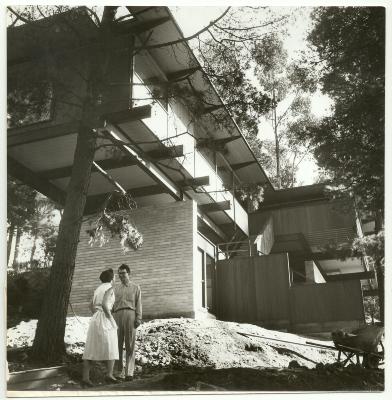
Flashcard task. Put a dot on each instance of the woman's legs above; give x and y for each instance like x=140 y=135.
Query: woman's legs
x=86 y=370
x=110 y=365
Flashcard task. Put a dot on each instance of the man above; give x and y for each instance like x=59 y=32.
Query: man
x=127 y=312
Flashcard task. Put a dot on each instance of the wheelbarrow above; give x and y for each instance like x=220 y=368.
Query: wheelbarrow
x=366 y=342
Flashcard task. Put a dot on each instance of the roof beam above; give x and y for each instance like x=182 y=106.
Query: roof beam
x=114 y=163
x=165 y=153
x=353 y=275
x=215 y=144
x=109 y=178
x=236 y=167
x=113 y=133
x=215 y=206
x=19 y=136
x=195 y=182
x=182 y=74
x=128 y=115
x=211 y=109
x=35 y=181
x=136 y=27
x=211 y=225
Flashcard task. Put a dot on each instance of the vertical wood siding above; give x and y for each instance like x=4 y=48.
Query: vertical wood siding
x=257 y=290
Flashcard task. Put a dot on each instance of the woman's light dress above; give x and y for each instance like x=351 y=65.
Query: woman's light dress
x=101 y=342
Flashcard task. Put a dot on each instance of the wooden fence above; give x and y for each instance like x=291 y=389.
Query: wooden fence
x=257 y=290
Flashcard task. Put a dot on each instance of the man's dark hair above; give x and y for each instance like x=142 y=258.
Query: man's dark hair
x=106 y=276
x=124 y=266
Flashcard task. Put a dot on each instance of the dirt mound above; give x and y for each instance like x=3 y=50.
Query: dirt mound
x=218 y=344
x=183 y=342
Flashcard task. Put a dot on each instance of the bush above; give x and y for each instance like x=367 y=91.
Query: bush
x=25 y=293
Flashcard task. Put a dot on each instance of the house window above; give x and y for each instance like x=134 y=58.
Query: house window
x=206 y=265
x=297 y=270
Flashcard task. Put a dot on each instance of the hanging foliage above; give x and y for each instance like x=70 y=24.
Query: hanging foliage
x=110 y=223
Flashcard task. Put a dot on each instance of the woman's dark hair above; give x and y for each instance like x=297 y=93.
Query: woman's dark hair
x=106 y=276
x=124 y=266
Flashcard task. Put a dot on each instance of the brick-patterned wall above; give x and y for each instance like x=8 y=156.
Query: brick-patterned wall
x=163 y=266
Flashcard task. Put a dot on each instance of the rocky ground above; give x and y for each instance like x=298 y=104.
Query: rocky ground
x=210 y=355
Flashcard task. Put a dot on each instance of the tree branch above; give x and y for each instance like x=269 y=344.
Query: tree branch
x=195 y=35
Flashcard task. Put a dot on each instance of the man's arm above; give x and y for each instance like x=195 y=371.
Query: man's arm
x=138 y=319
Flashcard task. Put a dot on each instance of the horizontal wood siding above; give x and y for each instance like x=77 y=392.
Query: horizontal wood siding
x=321 y=223
x=333 y=301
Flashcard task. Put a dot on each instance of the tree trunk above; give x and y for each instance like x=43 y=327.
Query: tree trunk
x=33 y=250
x=11 y=233
x=277 y=152
x=379 y=224
x=17 y=247
x=49 y=339
x=380 y=284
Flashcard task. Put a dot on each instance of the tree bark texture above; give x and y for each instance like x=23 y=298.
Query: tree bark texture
x=33 y=249
x=11 y=233
x=17 y=247
x=381 y=288
x=49 y=339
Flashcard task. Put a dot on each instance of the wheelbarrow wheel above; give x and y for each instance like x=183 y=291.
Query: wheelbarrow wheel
x=370 y=361
x=373 y=360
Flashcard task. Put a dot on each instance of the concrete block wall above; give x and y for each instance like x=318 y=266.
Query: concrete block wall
x=163 y=266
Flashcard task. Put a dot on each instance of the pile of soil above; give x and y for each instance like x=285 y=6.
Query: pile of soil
x=211 y=343
x=183 y=354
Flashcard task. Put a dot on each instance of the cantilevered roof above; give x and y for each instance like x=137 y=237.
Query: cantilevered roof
x=178 y=60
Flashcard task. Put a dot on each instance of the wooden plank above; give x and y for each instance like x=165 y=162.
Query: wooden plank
x=216 y=206
x=195 y=182
x=33 y=180
x=128 y=115
x=353 y=275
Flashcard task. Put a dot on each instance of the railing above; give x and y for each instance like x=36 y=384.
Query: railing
x=244 y=247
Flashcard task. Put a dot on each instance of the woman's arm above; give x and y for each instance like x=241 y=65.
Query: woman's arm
x=105 y=303
x=92 y=308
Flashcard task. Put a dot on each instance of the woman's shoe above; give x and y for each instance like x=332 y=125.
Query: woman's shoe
x=109 y=379
x=87 y=383
x=128 y=378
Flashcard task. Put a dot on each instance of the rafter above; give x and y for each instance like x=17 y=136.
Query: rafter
x=114 y=163
x=136 y=27
x=32 y=179
x=114 y=134
x=215 y=206
x=182 y=74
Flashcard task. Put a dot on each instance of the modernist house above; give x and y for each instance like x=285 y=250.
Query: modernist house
x=292 y=275
x=180 y=155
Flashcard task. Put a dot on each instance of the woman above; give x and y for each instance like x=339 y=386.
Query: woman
x=101 y=342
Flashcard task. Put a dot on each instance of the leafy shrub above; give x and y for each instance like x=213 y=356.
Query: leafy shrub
x=25 y=293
